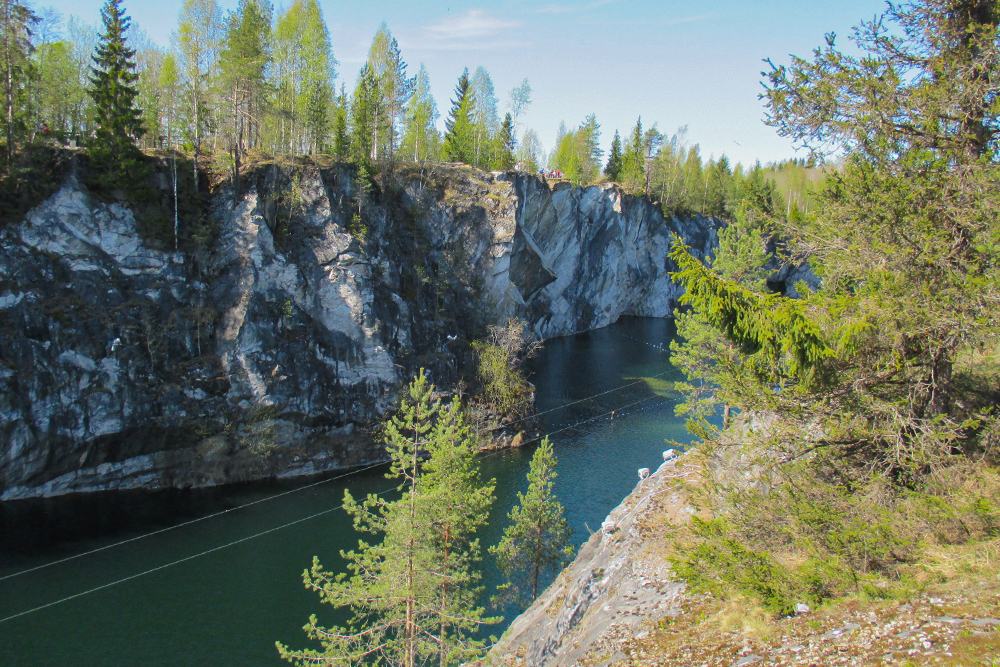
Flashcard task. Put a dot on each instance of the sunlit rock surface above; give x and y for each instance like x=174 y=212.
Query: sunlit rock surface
x=125 y=364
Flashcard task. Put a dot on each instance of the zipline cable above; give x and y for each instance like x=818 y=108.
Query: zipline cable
x=172 y=563
x=296 y=490
x=188 y=523
x=262 y=533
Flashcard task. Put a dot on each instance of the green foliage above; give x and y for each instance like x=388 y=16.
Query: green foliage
x=865 y=431
x=421 y=138
x=506 y=144
x=387 y=90
x=460 y=131
x=302 y=78
x=537 y=540
x=633 y=166
x=504 y=389
x=720 y=563
x=713 y=366
x=16 y=22
x=412 y=595
x=802 y=540
x=613 y=170
x=485 y=121
x=35 y=174
x=243 y=60
x=118 y=122
x=578 y=154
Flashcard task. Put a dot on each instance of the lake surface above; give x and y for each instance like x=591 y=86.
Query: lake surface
x=226 y=605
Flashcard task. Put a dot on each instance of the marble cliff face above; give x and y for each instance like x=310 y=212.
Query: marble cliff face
x=126 y=364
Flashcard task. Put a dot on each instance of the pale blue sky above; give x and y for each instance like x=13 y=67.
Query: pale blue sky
x=672 y=62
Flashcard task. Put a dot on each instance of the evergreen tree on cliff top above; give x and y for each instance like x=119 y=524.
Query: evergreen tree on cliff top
x=113 y=89
x=613 y=170
x=460 y=132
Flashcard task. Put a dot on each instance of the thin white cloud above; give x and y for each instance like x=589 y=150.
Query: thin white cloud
x=475 y=29
x=563 y=9
x=473 y=24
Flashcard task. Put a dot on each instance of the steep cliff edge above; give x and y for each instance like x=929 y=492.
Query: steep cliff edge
x=619 y=603
x=126 y=364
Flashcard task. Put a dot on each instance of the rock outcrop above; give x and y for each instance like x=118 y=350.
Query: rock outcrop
x=611 y=592
x=265 y=350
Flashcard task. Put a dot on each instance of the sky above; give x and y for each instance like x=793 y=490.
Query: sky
x=673 y=62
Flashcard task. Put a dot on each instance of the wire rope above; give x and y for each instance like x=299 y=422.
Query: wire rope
x=256 y=535
x=188 y=523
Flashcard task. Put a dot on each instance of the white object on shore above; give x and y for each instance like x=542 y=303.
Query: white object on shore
x=801 y=608
x=608 y=526
x=643 y=473
x=670 y=455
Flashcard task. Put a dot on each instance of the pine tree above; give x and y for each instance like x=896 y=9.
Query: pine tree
x=613 y=170
x=113 y=90
x=457 y=506
x=412 y=596
x=459 y=137
x=537 y=540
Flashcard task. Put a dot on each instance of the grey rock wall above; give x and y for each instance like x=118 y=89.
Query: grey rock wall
x=124 y=364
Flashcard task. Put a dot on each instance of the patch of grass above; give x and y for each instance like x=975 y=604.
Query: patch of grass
x=792 y=538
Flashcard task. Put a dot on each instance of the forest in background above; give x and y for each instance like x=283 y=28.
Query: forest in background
x=255 y=82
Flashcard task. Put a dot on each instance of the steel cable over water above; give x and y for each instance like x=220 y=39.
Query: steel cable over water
x=314 y=484
x=188 y=523
x=270 y=530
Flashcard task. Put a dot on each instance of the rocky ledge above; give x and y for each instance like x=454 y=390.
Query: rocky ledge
x=608 y=594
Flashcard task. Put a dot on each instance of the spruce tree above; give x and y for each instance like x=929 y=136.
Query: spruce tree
x=877 y=402
x=537 y=540
x=367 y=107
x=613 y=170
x=460 y=136
x=113 y=89
x=633 y=171
x=505 y=156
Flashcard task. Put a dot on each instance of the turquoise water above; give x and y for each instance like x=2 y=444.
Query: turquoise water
x=227 y=607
